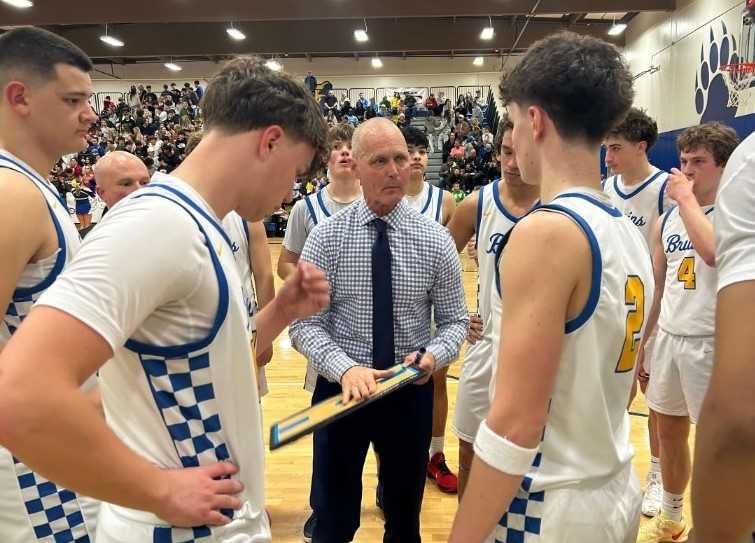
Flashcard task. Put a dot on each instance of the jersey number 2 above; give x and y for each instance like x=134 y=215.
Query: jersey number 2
x=686 y=273
x=634 y=297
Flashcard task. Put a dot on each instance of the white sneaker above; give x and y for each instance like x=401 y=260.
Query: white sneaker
x=653 y=498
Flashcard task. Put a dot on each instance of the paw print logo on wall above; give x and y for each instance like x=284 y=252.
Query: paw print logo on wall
x=711 y=92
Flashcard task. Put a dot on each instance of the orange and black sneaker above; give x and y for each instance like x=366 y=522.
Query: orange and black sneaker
x=437 y=470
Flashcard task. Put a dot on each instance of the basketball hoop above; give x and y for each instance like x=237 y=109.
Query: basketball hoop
x=739 y=77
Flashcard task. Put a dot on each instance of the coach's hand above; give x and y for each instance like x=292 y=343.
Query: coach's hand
x=427 y=364
x=360 y=383
x=305 y=293
x=474 y=331
x=194 y=496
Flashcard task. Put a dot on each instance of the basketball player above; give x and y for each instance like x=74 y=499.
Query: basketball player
x=722 y=497
x=638 y=189
x=252 y=255
x=44 y=114
x=684 y=306
x=343 y=190
x=118 y=174
x=153 y=302
x=577 y=284
x=438 y=205
x=488 y=215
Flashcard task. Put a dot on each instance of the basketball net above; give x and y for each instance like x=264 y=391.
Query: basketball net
x=739 y=78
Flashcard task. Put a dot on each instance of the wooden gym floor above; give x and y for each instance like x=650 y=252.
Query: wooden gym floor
x=288 y=470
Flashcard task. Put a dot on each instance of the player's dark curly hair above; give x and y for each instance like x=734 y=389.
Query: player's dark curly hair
x=581 y=82
x=637 y=126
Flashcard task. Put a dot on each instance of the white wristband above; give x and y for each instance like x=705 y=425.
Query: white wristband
x=501 y=454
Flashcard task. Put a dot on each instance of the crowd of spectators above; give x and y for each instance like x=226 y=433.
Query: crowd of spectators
x=155 y=125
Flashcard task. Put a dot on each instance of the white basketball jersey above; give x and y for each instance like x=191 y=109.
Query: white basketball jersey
x=586 y=438
x=238 y=230
x=493 y=223
x=644 y=203
x=429 y=202
x=33 y=508
x=688 y=306
x=318 y=211
x=182 y=406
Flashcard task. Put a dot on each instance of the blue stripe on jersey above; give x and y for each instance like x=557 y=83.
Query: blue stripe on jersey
x=611 y=210
x=245 y=225
x=479 y=217
x=661 y=194
x=183 y=350
x=60 y=260
x=33 y=175
x=322 y=203
x=196 y=208
x=311 y=209
x=439 y=208
x=499 y=203
x=597 y=265
x=429 y=198
x=638 y=189
x=665 y=218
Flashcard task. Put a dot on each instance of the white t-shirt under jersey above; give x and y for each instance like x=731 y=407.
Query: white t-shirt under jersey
x=735 y=217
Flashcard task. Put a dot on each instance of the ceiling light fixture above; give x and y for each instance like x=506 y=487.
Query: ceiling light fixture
x=617 y=29
x=376 y=62
x=478 y=61
x=173 y=67
x=360 y=34
x=21 y=4
x=488 y=32
x=274 y=65
x=235 y=33
x=110 y=40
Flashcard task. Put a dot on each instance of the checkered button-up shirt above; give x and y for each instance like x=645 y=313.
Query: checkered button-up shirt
x=426 y=273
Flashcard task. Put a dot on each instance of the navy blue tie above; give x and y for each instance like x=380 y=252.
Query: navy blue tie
x=383 y=351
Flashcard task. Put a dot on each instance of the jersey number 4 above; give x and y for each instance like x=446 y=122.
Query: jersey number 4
x=634 y=297
x=686 y=273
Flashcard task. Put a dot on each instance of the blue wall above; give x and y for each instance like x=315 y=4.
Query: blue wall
x=665 y=154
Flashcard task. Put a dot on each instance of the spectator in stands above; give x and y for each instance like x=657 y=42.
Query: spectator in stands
x=402 y=121
x=386 y=103
x=395 y=102
x=471 y=178
x=448 y=146
x=457 y=152
x=363 y=101
x=188 y=94
x=310 y=82
x=108 y=106
x=372 y=110
x=487 y=136
x=476 y=112
x=149 y=96
x=411 y=105
x=431 y=104
x=454 y=178
x=330 y=103
x=175 y=93
x=133 y=97
x=198 y=89
x=384 y=112
x=166 y=92
x=457 y=193
x=122 y=108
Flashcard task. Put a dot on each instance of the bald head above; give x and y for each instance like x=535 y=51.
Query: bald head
x=382 y=164
x=372 y=130
x=118 y=174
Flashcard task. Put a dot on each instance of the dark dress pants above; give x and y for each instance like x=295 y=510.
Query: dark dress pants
x=399 y=426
